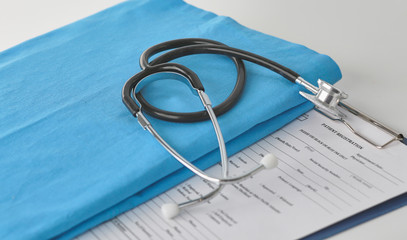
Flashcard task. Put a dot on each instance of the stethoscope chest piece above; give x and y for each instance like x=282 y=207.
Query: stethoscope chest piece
x=326 y=99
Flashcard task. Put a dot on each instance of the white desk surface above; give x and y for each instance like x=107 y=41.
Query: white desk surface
x=367 y=38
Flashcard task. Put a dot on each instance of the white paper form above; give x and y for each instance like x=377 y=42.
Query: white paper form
x=325 y=174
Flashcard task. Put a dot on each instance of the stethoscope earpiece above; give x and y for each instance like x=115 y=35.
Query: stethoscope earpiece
x=170 y=210
x=269 y=161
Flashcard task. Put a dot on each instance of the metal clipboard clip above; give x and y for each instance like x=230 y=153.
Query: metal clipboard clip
x=328 y=98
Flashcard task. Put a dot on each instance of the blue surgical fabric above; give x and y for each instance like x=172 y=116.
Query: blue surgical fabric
x=71 y=154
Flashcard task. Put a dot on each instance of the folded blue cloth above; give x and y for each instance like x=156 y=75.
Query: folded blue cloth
x=72 y=156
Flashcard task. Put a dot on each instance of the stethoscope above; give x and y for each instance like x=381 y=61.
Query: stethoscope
x=327 y=100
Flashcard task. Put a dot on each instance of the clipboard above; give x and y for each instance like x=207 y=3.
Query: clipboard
x=278 y=141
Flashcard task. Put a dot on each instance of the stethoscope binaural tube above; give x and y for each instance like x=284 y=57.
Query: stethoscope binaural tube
x=129 y=97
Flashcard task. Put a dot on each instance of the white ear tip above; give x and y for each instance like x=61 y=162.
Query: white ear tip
x=269 y=161
x=169 y=210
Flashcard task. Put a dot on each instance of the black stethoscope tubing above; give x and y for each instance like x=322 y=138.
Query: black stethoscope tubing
x=220 y=109
x=184 y=47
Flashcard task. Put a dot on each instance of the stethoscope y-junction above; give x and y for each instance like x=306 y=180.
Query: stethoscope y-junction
x=327 y=100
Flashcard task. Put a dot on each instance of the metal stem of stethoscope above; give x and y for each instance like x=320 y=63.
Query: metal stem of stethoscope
x=170 y=210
